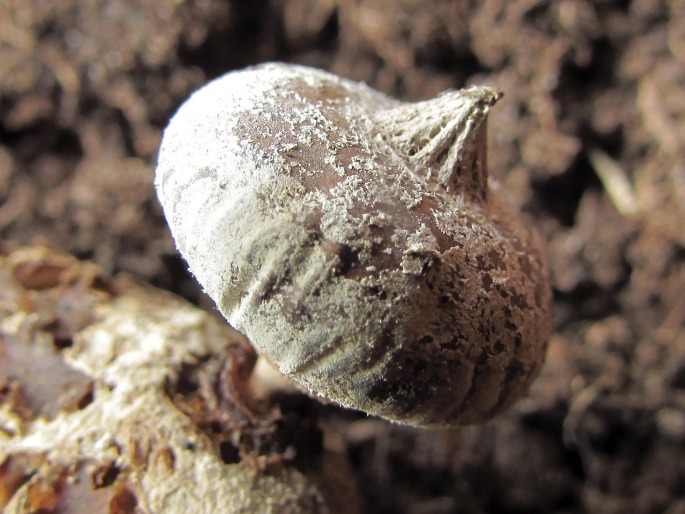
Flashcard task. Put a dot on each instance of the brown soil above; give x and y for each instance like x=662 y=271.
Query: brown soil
x=588 y=139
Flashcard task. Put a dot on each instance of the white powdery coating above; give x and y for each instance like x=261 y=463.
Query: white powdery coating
x=352 y=238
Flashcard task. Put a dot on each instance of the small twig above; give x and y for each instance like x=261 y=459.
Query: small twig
x=615 y=182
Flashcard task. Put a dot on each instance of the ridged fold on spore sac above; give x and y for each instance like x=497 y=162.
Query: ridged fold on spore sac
x=444 y=138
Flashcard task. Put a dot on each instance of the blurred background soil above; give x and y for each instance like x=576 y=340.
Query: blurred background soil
x=589 y=140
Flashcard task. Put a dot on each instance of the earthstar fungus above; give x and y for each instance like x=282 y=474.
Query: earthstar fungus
x=355 y=241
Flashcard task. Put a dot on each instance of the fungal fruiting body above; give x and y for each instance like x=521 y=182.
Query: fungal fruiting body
x=355 y=241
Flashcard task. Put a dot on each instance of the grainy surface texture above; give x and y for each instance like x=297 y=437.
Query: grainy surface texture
x=125 y=399
x=355 y=241
x=86 y=88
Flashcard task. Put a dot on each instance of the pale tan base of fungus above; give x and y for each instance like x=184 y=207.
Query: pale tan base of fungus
x=95 y=415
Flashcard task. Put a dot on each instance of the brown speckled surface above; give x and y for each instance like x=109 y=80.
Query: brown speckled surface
x=355 y=241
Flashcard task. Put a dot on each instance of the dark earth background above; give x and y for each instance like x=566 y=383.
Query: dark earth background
x=589 y=140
